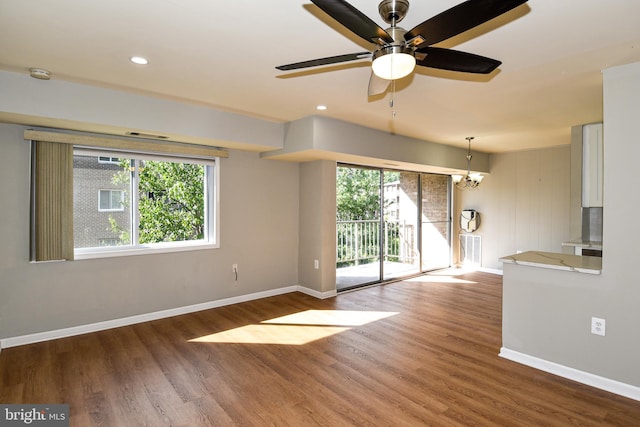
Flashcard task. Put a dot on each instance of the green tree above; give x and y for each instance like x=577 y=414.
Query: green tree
x=358 y=198
x=170 y=203
x=357 y=194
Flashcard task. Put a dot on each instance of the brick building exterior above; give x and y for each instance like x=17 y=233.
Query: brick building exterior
x=96 y=198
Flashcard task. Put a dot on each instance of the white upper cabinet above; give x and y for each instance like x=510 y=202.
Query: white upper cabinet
x=592 y=165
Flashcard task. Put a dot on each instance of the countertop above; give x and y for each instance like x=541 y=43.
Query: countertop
x=556 y=261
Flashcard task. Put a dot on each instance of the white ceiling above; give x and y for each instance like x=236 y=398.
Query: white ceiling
x=223 y=54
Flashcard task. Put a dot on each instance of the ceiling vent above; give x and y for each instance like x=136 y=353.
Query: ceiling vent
x=39 y=73
x=146 y=135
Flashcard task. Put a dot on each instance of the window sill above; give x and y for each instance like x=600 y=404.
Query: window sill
x=81 y=254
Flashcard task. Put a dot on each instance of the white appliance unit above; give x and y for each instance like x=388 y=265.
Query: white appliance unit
x=592 y=165
x=469 y=220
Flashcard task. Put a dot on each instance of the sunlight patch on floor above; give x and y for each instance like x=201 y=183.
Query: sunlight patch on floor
x=271 y=334
x=331 y=317
x=297 y=328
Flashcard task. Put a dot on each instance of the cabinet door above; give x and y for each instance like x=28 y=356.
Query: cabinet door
x=592 y=165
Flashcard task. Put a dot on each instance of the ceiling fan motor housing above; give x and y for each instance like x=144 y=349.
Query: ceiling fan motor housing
x=393 y=11
x=397 y=33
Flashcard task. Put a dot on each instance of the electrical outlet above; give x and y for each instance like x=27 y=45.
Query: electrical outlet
x=598 y=326
x=234 y=268
x=316 y=264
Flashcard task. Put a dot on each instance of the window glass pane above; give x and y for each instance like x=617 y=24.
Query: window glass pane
x=402 y=254
x=108 y=223
x=104 y=200
x=171 y=201
x=117 y=199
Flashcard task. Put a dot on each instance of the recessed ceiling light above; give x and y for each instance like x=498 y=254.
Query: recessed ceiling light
x=139 y=60
x=321 y=107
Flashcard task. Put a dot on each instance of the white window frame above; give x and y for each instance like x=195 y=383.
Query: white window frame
x=111 y=190
x=112 y=160
x=212 y=207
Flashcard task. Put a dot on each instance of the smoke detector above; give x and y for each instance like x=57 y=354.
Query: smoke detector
x=39 y=73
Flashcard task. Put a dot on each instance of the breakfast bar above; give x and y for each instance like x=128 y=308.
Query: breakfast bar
x=556 y=261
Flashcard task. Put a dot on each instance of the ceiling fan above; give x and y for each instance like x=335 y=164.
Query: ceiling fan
x=398 y=51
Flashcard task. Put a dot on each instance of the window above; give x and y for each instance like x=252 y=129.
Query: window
x=110 y=200
x=108 y=241
x=145 y=203
x=108 y=160
x=150 y=210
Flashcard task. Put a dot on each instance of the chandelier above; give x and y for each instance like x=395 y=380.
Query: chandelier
x=471 y=180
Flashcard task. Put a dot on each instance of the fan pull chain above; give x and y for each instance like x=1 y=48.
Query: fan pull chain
x=391 y=103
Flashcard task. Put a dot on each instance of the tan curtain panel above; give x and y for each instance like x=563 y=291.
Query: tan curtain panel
x=53 y=201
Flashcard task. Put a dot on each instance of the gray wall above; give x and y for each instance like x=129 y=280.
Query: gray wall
x=259 y=232
x=524 y=204
x=318 y=226
x=319 y=137
x=58 y=103
x=547 y=313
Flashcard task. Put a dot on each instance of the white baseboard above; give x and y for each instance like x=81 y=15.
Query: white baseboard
x=317 y=294
x=592 y=380
x=116 y=323
x=490 y=270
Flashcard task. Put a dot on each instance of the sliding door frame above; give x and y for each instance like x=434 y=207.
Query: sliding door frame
x=382 y=226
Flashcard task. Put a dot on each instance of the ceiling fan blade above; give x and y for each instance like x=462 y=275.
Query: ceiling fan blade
x=460 y=18
x=377 y=85
x=454 y=60
x=354 y=20
x=325 y=61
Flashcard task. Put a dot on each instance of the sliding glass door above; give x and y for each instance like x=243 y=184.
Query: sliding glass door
x=358 y=226
x=435 y=221
x=401 y=244
x=390 y=224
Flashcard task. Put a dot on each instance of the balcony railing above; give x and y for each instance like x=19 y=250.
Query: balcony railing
x=358 y=242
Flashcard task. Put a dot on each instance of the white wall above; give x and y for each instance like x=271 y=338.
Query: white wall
x=259 y=232
x=524 y=203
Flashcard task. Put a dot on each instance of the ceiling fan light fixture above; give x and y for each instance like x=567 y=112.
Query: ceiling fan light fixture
x=393 y=62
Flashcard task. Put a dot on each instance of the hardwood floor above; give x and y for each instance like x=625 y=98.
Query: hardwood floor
x=417 y=352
